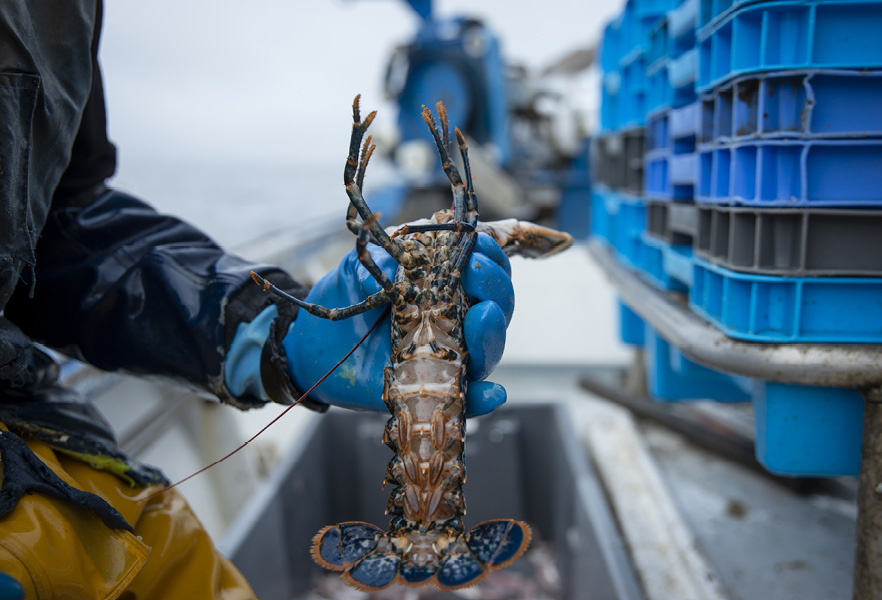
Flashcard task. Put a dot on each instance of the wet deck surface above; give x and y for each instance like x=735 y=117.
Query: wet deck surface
x=761 y=539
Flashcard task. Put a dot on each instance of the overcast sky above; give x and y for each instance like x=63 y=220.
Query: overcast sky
x=273 y=79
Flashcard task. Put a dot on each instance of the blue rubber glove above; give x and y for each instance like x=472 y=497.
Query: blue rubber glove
x=242 y=362
x=314 y=345
x=10 y=588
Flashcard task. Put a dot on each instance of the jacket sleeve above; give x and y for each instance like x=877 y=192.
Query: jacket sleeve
x=121 y=286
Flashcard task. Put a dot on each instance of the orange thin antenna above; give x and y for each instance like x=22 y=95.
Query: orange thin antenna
x=279 y=416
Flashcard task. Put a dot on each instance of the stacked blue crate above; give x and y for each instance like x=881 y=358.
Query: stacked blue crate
x=670 y=143
x=791 y=120
x=791 y=130
x=764 y=131
x=669 y=169
x=649 y=69
x=626 y=52
x=618 y=210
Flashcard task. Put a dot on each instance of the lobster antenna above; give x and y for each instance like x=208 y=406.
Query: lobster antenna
x=279 y=416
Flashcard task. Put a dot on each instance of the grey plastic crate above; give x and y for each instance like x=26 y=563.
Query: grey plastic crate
x=524 y=462
x=617 y=160
x=674 y=222
x=792 y=242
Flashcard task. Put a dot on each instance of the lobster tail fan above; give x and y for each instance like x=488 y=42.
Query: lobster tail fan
x=499 y=543
x=490 y=545
x=375 y=571
x=339 y=547
x=459 y=570
x=415 y=574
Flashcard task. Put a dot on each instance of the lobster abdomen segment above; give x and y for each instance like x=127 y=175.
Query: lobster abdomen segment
x=372 y=559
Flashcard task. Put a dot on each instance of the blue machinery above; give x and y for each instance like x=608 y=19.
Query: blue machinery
x=459 y=60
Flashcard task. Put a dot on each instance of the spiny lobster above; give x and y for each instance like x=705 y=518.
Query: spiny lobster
x=424 y=387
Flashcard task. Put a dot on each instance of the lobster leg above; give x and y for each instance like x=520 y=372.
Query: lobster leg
x=471 y=203
x=523 y=238
x=362 y=159
x=465 y=202
x=441 y=142
x=457 y=226
x=332 y=314
x=367 y=260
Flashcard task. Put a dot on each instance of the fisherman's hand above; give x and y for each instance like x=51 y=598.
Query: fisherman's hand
x=314 y=345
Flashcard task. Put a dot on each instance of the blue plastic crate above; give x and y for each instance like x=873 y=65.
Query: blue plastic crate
x=632 y=100
x=609 y=108
x=672 y=377
x=601 y=221
x=670 y=176
x=659 y=263
x=795 y=104
x=624 y=96
x=671 y=267
x=682 y=74
x=683 y=70
x=681 y=25
x=611 y=100
x=812 y=173
x=800 y=430
x=683 y=173
x=619 y=219
x=607 y=114
x=790 y=35
x=658 y=42
x=767 y=308
x=633 y=111
x=711 y=12
x=639 y=29
x=685 y=122
x=634 y=76
x=657 y=131
x=631 y=326
x=808 y=430
x=629 y=216
x=651 y=8
x=660 y=95
x=612 y=46
x=656 y=182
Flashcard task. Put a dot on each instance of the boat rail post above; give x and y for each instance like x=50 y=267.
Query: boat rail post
x=868 y=552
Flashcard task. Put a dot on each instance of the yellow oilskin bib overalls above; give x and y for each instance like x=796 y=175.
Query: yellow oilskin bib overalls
x=57 y=550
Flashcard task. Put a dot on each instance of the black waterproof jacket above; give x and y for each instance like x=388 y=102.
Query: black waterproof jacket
x=93 y=272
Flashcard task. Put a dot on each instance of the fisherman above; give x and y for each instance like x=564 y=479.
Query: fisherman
x=100 y=276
